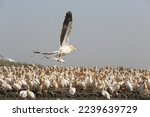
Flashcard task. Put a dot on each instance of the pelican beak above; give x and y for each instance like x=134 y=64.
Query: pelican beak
x=74 y=49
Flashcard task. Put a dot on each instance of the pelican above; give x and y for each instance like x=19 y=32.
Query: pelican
x=72 y=90
x=106 y=94
x=65 y=48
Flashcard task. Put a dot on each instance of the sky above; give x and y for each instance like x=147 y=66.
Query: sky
x=106 y=32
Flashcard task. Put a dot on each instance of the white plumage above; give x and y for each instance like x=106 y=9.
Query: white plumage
x=106 y=94
x=72 y=90
x=65 y=48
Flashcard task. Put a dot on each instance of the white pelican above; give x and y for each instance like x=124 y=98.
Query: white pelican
x=30 y=94
x=72 y=90
x=23 y=94
x=129 y=86
x=106 y=94
x=65 y=48
x=27 y=93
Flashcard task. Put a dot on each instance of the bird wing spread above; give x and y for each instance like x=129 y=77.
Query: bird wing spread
x=49 y=53
x=66 y=29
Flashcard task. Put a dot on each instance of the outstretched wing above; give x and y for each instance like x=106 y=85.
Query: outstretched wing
x=66 y=29
x=44 y=53
x=49 y=53
x=36 y=52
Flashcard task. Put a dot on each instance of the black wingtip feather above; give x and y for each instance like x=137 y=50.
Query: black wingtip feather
x=68 y=16
x=67 y=20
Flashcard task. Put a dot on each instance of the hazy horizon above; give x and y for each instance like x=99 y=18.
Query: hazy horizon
x=114 y=33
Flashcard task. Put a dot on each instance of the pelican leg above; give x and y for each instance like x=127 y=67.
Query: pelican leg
x=58 y=57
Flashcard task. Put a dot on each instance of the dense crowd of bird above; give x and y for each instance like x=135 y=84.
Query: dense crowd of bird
x=30 y=81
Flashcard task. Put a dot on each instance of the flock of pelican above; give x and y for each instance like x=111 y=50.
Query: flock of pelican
x=28 y=82
x=31 y=81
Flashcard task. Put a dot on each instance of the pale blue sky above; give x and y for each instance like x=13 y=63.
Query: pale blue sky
x=106 y=32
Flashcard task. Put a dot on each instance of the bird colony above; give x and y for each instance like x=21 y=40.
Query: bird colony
x=32 y=82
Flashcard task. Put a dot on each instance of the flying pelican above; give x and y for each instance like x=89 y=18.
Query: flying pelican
x=65 y=48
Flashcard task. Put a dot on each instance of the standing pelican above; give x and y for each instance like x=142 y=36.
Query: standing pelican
x=65 y=48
